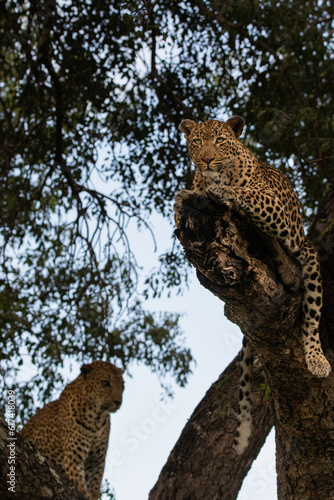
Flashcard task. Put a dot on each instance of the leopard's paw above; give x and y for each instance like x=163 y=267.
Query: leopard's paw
x=221 y=195
x=318 y=366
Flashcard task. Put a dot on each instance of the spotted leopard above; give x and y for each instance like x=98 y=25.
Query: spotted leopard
x=229 y=172
x=73 y=431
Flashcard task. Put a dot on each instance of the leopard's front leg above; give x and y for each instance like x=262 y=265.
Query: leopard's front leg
x=265 y=209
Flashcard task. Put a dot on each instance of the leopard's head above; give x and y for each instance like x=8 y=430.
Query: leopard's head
x=103 y=385
x=213 y=144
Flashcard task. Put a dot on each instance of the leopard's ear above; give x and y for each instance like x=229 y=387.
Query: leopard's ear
x=186 y=127
x=237 y=124
x=86 y=369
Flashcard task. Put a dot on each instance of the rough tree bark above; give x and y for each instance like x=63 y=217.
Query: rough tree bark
x=239 y=264
x=32 y=478
x=208 y=436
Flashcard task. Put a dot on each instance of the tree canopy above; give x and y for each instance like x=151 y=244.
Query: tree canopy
x=91 y=97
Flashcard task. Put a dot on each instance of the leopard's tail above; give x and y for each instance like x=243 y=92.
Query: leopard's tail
x=244 y=428
x=312 y=302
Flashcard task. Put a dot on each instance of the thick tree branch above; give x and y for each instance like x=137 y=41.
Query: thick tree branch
x=201 y=465
x=32 y=477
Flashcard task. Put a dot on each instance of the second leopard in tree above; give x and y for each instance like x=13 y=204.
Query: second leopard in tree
x=72 y=432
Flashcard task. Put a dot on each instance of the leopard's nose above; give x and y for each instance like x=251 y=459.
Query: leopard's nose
x=118 y=403
x=208 y=159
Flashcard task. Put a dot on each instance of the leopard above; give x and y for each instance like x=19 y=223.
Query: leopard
x=72 y=432
x=230 y=174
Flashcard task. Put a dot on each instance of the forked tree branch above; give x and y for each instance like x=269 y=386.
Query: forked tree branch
x=201 y=464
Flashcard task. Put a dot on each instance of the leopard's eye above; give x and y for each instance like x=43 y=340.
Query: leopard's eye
x=197 y=141
x=105 y=383
x=219 y=140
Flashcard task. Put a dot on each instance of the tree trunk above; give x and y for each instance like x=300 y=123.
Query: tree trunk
x=197 y=467
x=249 y=271
x=26 y=475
